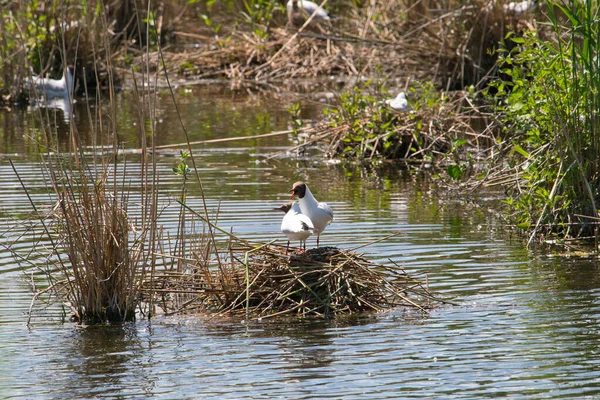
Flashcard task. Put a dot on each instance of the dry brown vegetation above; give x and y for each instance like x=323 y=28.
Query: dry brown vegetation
x=443 y=42
x=263 y=281
x=447 y=43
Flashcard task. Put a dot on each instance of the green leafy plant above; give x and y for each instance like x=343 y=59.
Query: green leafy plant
x=260 y=13
x=182 y=168
x=549 y=99
x=296 y=121
x=372 y=130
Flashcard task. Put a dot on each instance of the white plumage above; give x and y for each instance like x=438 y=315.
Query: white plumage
x=319 y=213
x=298 y=10
x=295 y=225
x=60 y=103
x=519 y=8
x=399 y=103
x=52 y=88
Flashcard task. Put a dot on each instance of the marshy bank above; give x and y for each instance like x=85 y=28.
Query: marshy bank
x=447 y=44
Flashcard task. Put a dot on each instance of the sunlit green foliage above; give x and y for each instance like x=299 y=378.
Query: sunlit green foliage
x=372 y=130
x=549 y=102
x=26 y=37
x=367 y=119
x=296 y=121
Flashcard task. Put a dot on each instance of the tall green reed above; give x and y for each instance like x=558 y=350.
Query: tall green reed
x=550 y=103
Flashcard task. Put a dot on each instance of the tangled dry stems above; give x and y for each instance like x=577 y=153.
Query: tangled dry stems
x=443 y=42
x=105 y=266
x=428 y=133
x=322 y=282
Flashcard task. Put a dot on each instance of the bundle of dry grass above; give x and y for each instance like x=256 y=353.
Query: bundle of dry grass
x=263 y=281
x=102 y=272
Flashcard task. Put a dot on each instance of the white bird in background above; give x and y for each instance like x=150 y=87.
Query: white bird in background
x=400 y=103
x=319 y=213
x=52 y=88
x=298 y=11
x=295 y=225
x=519 y=8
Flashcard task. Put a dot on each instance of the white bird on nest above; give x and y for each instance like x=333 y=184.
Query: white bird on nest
x=295 y=225
x=399 y=103
x=319 y=213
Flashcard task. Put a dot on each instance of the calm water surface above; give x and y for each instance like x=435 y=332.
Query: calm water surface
x=525 y=324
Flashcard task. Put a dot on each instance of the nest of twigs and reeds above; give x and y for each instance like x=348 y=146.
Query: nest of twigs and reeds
x=264 y=281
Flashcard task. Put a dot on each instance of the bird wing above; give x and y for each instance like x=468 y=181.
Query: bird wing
x=296 y=223
x=311 y=7
x=325 y=207
x=306 y=227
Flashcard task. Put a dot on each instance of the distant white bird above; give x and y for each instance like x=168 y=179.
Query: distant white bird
x=298 y=11
x=319 y=213
x=400 y=103
x=295 y=225
x=50 y=88
x=519 y=8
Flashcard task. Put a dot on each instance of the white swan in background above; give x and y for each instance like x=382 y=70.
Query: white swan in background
x=52 y=88
x=319 y=213
x=298 y=11
x=295 y=225
x=399 y=103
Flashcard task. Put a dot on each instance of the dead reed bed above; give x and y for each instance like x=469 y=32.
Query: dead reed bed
x=448 y=43
x=96 y=254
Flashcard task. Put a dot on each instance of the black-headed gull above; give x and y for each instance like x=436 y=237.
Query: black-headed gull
x=299 y=10
x=319 y=213
x=52 y=88
x=399 y=103
x=295 y=225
